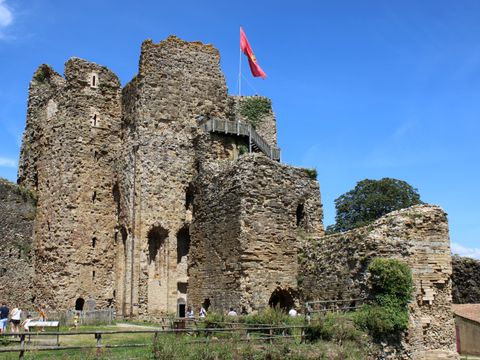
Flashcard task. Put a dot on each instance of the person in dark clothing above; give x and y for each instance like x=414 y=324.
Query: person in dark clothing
x=4 y=311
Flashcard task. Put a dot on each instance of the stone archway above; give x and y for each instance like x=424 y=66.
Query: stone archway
x=282 y=299
x=79 y=304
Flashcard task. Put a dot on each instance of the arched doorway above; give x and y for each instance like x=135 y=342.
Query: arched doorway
x=79 y=304
x=282 y=298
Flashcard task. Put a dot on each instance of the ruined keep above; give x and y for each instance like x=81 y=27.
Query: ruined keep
x=120 y=173
x=162 y=195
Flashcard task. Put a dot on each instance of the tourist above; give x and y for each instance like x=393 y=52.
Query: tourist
x=42 y=314
x=190 y=313
x=203 y=312
x=292 y=312
x=4 y=311
x=232 y=312
x=76 y=319
x=26 y=323
x=15 y=319
x=308 y=313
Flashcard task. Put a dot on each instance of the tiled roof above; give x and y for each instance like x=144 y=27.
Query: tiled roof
x=467 y=311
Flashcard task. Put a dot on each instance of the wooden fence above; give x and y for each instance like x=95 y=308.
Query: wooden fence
x=87 y=317
x=270 y=333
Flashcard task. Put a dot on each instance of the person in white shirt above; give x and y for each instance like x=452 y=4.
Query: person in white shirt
x=232 y=312
x=203 y=312
x=15 y=319
x=292 y=312
x=190 y=313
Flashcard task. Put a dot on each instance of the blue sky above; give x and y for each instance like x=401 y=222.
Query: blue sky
x=361 y=89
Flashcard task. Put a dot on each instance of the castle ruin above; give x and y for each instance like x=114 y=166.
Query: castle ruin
x=160 y=195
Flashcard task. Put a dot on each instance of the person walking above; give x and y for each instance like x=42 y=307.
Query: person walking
x=4 y=312
x=42 y=314
x=15 y=319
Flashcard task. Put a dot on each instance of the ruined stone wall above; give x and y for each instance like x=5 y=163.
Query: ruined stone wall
x=334 y=267
x=267 y=126
x=44 y=85
x=466 y=280
x=71 y=160
x=244 y=236
x=17 y=213
x=177 y=82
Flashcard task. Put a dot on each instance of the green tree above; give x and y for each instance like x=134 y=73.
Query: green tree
x=370 y=200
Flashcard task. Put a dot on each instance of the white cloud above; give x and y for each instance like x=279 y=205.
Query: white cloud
x=6 y=17
x=6 y=162
x=465 y=251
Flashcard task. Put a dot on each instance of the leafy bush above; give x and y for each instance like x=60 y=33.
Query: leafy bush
x=391 y=282
x=213 y=320
x=333 y=327
x=391 y=289
x=381 y=321
x=254 y=108
x=269 y=316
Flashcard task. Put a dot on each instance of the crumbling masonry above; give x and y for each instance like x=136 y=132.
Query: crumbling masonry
x=147 y=202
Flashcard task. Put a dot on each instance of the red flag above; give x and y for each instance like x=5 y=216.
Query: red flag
x=252 y=60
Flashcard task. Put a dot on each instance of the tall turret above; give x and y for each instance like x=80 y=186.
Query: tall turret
x=67 y=157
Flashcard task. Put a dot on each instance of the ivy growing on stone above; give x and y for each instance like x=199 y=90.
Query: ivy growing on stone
x=254 y=108
x=242 y=149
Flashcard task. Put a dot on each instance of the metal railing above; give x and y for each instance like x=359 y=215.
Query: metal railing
x=241 y=129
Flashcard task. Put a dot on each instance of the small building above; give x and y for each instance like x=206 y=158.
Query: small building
x=467 y=327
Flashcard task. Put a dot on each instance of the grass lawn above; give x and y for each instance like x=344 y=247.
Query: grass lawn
x=171 y=346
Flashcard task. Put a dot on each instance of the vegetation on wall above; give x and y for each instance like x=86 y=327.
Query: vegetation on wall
x=26 y=194
x=242 y=149
x=254 y=108
x=391 y=288
x=312 y=173
x=370 y=200
x=43 y=73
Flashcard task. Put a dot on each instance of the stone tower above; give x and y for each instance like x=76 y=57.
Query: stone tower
x=177 y=83
x=67 y=157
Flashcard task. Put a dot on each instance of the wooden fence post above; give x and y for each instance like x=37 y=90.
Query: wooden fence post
x=156 y=353
x=22 y=346
x=98 y=336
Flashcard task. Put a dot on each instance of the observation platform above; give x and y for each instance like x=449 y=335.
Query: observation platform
x=255 y=141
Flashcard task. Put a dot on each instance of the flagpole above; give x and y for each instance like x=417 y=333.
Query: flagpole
x=240 y=72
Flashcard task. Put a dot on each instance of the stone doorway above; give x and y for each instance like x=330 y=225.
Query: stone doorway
x=181 y=310
x=282 y=299
x=79 y=304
